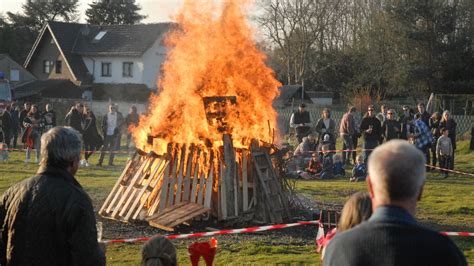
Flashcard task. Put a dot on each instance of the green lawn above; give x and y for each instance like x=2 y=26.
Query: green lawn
x=447 y=204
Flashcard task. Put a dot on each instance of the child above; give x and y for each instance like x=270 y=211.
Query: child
x=339 y=166
x=328 y=166
x=359 y=172
x=444 y=150
x=314 y=168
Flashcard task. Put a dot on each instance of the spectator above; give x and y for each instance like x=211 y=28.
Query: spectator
x=371 y=130
x=444 y=150
x=406 y=123
x=357 y=209
x=449 y=124
x=425 y=116
x=314 y=168
x=339 y=170
x=391 y=127
x=21 y=118
x=5 y=129
x=110 y=130
x=347 y=130
x=49 y=117
x=383 y=114
x=356 y=136
x=307 y=146
x=48 y=219
x=435 y=130
x=423 y=137
x=359 y=172
x=15 y=113
x=327 y=126
x=301 y=121
x=159 y=251
x=392 y=236
x=121 y=128
x=131 y=120
x=92 y=139
x=328 y=167
x=74 y=117
x=33 y=126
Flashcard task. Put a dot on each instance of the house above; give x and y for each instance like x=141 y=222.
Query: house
x=291 y=95
x=14 y=72
x=96 y=58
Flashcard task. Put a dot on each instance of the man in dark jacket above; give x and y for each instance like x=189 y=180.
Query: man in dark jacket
x=392 y=236
x=371 y=129
x=48 y=219
x=425 y=116
x=301 y=121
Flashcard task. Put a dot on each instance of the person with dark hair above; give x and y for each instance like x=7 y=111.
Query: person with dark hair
x=111 y=126
x=435 y=119
x=159 y=251
x=33 y=125
x=390 y=127
x=423 y=137
x=49 y=117
x=301 y=121
x=21 y=117
x=449 y=124
x=327 y=126
x=406 y=123
x=92 y=139
x=15 y=127
x=49 y=219
x=444 y=150
x=392 y=236
x=74 y=117
x=347 y=129
x=424 y=115
x=371 y=130
x=131 y=119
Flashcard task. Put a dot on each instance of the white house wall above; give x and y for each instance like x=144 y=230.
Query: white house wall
x=117 y=65
x=153 y=58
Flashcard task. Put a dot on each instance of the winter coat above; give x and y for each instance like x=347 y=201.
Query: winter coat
x=74 y=120
x=48 y=219
x=91 y=135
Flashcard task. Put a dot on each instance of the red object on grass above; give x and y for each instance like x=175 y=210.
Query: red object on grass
x=205 y=249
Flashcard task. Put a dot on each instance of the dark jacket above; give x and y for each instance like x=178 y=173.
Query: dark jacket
x=48 y=220
x=392 y=237
x=74 y=120
x=451 y=126
x=406 y=123
x=391 y=129
x=49 y=119
x=5 y=126
x=331 y=130
x=373 y=122
x=91 y=135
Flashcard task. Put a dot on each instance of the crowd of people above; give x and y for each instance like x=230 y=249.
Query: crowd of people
x=26 y=125
x=433 y=134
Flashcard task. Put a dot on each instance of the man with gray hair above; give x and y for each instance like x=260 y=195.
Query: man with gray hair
x=392 y=236
x=48 y=219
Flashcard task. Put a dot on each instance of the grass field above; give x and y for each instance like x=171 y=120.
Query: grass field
x=447 y=204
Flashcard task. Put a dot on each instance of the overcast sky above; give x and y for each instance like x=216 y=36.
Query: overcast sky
x=156 y=10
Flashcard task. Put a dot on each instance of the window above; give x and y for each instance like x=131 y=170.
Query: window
x=59 y=66
x=127 y=69
x=47 y=66
x=99 y=36
x=14 y=74
x=106 y=69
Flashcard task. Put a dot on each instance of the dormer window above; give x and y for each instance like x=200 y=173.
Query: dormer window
x=100 y=35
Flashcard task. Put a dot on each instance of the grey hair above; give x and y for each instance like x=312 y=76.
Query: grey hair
x=397 y=171
x=60 y=146
x=159 y=251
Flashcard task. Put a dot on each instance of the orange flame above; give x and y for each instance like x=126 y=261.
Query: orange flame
x=211 y=53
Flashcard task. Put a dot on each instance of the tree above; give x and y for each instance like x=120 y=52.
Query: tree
x=114 y=12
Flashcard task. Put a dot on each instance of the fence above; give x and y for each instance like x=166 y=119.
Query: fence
x=464 y=122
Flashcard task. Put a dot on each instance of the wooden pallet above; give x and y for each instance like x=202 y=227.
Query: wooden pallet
x=180 y=213
x=272 y=200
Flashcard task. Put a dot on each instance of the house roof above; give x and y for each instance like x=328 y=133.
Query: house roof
x=119 y=40
x=75 y=40
x=287 y=92
x=51 y=88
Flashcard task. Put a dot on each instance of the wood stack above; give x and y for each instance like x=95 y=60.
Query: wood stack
x=198 y=182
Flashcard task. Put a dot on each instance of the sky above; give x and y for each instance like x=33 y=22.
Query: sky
x=156 y=10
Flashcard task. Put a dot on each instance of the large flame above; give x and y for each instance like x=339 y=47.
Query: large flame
x=211 y=53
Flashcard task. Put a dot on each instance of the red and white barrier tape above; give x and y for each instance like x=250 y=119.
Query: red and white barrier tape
x=243 y=231
x=214 y=233
x=449 y=170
